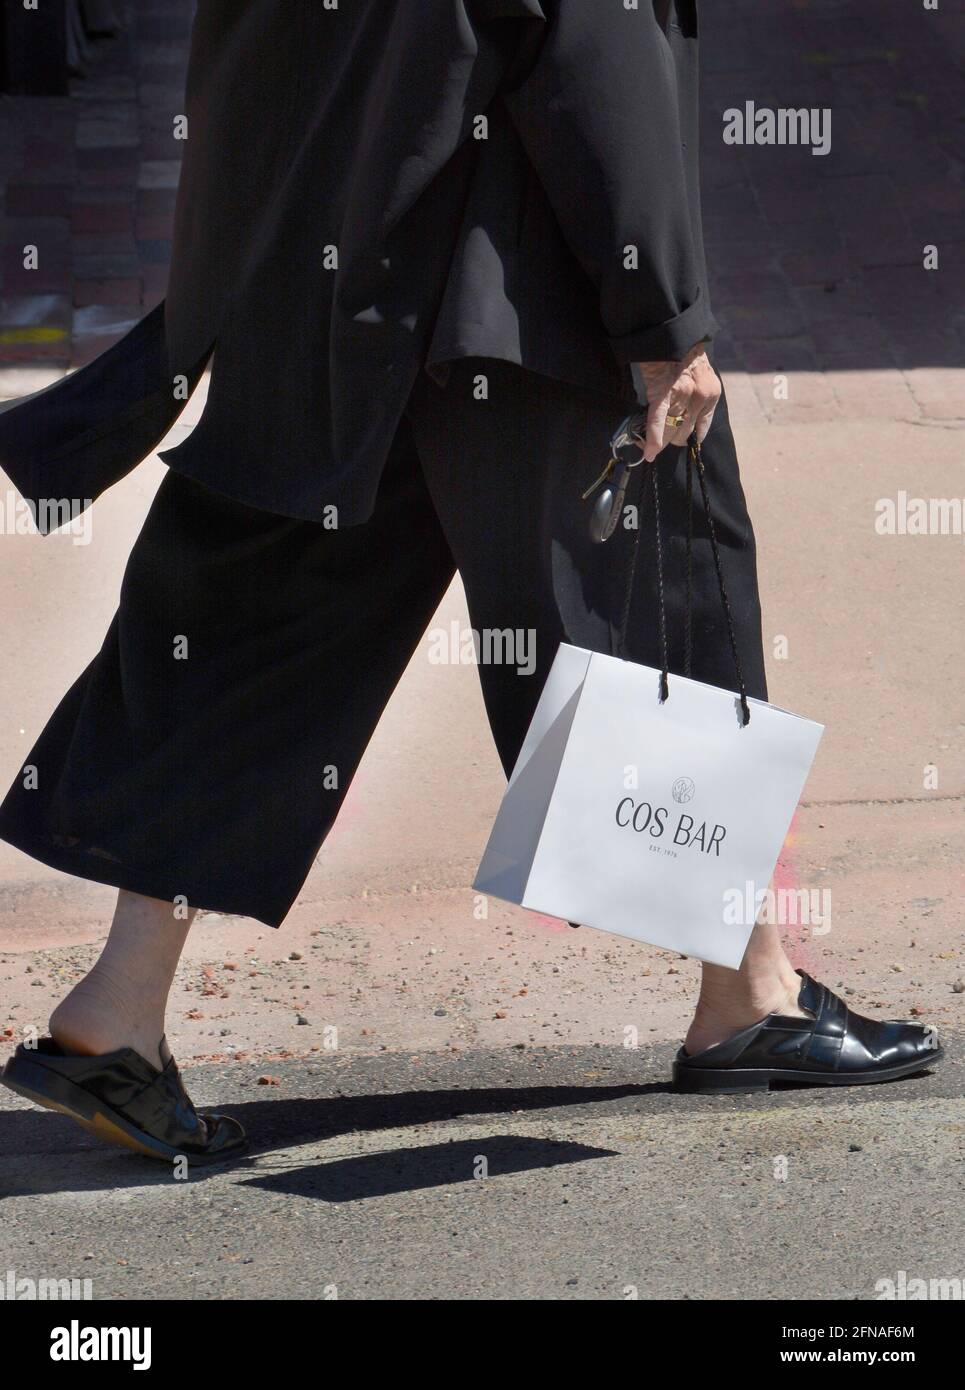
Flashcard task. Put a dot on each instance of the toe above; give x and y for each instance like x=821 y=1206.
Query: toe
x=225 y=1135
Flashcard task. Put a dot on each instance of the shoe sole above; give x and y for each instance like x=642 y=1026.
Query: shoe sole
x=735 y=1081
x=45 y=1088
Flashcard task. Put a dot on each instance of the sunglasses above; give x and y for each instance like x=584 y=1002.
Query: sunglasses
x=626 y=452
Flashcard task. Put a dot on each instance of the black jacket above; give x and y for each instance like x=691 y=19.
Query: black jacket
x=383 y=186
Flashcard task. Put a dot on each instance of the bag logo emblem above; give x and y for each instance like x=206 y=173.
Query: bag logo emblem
x=683 y=790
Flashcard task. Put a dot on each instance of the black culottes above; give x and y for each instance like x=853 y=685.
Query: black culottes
x=206 y=749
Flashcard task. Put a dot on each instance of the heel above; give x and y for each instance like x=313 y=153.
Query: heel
x=44 y=1087
x=707 y=1080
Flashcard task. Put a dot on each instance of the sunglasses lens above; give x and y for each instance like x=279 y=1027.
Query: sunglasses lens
x=602 y=518
x=629 y=439
x=609 y=505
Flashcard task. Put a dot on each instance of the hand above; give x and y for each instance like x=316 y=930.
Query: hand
x=690 y=388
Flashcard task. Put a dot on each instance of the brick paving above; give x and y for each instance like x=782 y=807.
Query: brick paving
x=817 y=261
x=90 y=180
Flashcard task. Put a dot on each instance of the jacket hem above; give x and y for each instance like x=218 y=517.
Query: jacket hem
x=437 y=367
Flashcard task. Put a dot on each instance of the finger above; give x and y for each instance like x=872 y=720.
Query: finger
x=682 y=415
x=656 y=428
x=705 y=419
x=682 y=433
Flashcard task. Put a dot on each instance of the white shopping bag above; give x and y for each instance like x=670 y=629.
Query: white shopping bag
x=644 y=818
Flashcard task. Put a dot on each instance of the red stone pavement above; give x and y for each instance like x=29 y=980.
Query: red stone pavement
x=816 y=260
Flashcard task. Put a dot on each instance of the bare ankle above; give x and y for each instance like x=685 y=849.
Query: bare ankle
x=749 y=998
x=723 y=1011
x=98 y=1016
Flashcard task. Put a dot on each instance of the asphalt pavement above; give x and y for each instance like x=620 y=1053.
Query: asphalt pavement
x=549 y=1173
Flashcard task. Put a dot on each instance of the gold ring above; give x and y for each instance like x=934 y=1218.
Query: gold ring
x=675 y=421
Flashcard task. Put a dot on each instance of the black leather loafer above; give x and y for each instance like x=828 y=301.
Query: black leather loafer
x=831 y=1047
x=122 y=1098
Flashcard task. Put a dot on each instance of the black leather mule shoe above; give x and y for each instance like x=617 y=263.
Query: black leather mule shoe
x=831 y=1047
x=122 y=1098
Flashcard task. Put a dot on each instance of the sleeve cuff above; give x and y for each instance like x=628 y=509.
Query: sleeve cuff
x=669 y=341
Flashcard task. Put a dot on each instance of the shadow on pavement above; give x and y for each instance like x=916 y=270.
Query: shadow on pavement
x=61 y=1147
x=58 y=1152
x=436 y=1165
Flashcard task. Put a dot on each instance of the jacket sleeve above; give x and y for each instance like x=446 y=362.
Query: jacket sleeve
x=598 y=114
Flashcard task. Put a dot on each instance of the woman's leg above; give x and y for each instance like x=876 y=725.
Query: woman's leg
x=506 y=473
x=122 y=1000
x=204 y=754
x=729 y=1000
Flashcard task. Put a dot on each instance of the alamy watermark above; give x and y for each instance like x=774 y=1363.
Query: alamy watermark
x=77 y=1343
x=910 y=1288
x=20 y=1288
x=68 y=514
x=919 y=516
x=490 y=646
x=762 y=125
x=808 y=907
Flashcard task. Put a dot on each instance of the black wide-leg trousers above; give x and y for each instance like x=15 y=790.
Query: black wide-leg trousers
x=206 y=749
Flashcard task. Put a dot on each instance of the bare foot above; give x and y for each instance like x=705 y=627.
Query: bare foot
x=720 y=1015
x=121 y=1003
x=100 y=1016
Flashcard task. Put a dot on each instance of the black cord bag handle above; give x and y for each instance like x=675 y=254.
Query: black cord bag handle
x=695 y=462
